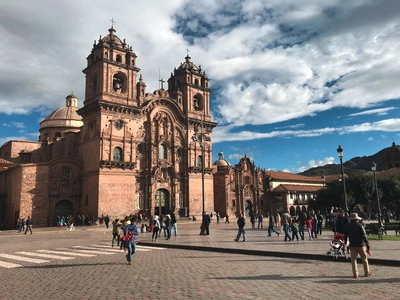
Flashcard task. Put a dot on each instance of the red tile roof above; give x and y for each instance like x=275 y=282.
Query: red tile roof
x=297 y=188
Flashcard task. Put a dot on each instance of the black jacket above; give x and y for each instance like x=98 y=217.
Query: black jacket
x=241 y=222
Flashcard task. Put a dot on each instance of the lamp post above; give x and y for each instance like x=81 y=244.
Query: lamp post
x=373 y=168
x=202 y=137
x=340 y=151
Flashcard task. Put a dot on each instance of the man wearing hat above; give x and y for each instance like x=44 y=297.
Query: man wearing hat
x=355 y=232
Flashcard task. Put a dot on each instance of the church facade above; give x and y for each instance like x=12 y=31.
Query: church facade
x=125 y=151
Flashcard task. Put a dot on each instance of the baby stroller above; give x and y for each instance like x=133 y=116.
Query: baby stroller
x=338 y=246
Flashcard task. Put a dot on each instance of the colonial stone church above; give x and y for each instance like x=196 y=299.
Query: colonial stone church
x=125 y=151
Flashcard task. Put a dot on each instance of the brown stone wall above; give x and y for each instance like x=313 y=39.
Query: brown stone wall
x=90 y=191
x=117 y=193
x=195 y=194
x=34 y=193
x=220 y=194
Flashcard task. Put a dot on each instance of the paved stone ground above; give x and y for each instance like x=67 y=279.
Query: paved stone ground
x=189 y=274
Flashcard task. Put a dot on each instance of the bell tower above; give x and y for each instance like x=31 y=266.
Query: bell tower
x=111 y=72
x=189 y=85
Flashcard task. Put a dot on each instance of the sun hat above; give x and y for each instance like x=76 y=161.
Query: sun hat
x=354 y=216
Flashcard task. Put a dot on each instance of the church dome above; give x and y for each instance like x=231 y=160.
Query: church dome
x=112 y=39
x=65 y=116
x=188 y=65
x=221 y=162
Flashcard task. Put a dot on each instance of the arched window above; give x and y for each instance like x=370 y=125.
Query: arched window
x=117 y=154
x=119 y=58
x=65 y=175
x=197 y=102
x=233 y=203
x=162 y=152
x=200 y=161
x=178 y=152
x=140 y=149
x=196 y=81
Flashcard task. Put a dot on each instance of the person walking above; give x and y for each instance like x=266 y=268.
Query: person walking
x=260 y=220
x=167 y=226
x=173 y=224
x=218 y=218
x=341 y=222
x=286 y=220
x=253 y=221
x=29 y=224
x=320 y=220
x=206 y=223
x=295 y=229
x=309 y=227
x=359 y=244
x=227 y=218
x=131 y=232
x=116 y=232
x=242 y=230
x=156 y=228
x=83 y=221
x=302 y=222
x=271 y=223
x=106 y=220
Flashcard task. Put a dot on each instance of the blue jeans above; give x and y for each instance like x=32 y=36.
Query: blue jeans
x=241 y=231
x=131 y=250
x=301 y=231
x=175 y=228
x=271 y=228
x=286 y=228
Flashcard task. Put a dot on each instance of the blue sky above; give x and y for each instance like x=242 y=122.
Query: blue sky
x=291 y=80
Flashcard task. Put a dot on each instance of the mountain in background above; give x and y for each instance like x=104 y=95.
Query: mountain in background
x=354 y=165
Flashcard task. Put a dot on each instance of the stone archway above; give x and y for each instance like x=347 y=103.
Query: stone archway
x=63 y=208
x=161 y=202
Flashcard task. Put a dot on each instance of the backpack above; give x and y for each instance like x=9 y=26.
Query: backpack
x=154 y=222
x=128 y=236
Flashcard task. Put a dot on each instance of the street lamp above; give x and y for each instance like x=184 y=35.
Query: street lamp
x=340 y=151
x=202 y=137
x=373 y=168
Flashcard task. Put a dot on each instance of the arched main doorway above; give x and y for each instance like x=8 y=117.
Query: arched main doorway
x=63 y=208
x=161 y=202
x=248 y=208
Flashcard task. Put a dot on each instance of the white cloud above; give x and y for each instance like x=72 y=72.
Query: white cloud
x=316 y=163
x=378 y=111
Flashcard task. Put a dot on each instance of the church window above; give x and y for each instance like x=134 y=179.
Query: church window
x=117 y=154
x=133 y=62
x=65 y=175
x=106 y=54
x=197 y=102
x=196 y=82
x=140 y=149
x=233 y=203
x=119 y=58
x=200 y=161
x=202 y=82
x=162 y=152
x=178 y=153
x=247 y=180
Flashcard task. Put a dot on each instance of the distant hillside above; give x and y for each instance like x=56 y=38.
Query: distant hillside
x=354 y=165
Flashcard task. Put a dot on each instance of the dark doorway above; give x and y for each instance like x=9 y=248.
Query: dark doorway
x=63 y=208
x=161 y=202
